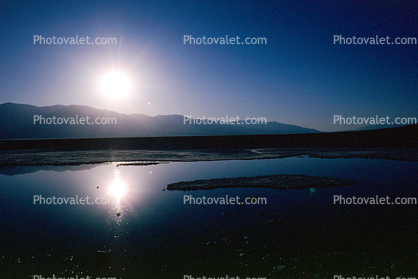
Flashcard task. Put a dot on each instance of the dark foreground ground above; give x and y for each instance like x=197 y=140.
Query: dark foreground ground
x=403 y=137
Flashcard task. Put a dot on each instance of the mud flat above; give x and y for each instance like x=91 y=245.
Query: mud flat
x=14 y=158
x=392 y=143
x=283 y=181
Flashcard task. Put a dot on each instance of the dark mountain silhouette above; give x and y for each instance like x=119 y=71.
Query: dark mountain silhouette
x=21 y=121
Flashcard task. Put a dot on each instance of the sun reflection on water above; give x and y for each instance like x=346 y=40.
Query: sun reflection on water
x=117 y=189
x=123 y=193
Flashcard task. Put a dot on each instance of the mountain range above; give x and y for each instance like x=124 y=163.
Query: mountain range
x=22 y=121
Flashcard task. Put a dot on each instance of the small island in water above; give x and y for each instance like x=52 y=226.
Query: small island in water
x=283 y=181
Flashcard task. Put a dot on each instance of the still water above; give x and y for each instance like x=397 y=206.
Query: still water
x=149 y=232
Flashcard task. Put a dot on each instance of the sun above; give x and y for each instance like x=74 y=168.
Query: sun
x=115 y=84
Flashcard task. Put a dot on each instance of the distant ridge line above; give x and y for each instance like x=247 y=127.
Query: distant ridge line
x=18 y=122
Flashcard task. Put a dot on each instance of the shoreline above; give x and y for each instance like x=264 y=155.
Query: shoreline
x=15 y=158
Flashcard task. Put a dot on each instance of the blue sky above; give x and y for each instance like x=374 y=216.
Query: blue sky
x=299 y=77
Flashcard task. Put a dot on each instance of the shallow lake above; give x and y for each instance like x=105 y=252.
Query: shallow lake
x=150 y=232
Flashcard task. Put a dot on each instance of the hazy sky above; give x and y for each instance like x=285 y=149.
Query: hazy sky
x=299 y=77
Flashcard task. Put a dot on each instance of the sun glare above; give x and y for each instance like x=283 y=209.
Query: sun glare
x=115 y=84
x=117 y=189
